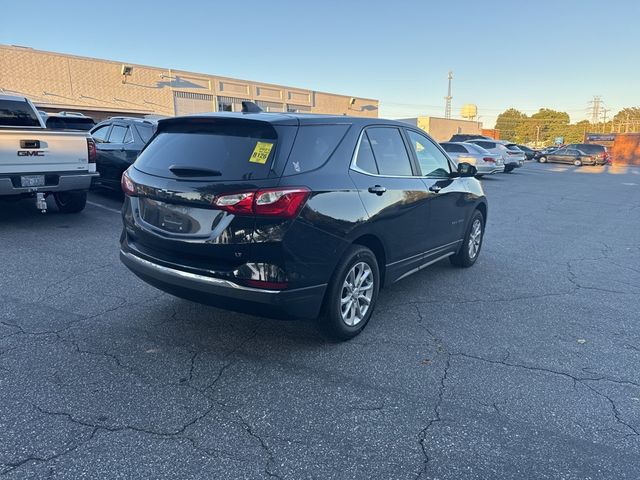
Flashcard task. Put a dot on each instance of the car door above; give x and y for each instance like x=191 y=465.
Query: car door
x=448 y=207
x=114 y=153
x=100 y=134
x=561 y=155
x=394 y=197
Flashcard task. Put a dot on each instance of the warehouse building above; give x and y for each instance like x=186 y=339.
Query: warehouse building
x=103 y=88
x=441 y=129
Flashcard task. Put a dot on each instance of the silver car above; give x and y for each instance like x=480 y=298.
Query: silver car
x=512 y=156
x=486 y=162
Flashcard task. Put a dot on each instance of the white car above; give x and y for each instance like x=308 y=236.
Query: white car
x=36 y=162
x=512 y=156
x=486 y=162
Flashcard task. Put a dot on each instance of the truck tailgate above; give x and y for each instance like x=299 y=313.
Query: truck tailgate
x=40 y=150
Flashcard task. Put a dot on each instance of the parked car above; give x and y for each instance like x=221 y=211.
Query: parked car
x=544 y=151
x=119 y=141
x=36 y=162
x=529 y=153
x=599 y=152
x=486 y=163
x=463 y=137
x=295 y=215
x=68 y=122
x=511 y=155
x=568 y=155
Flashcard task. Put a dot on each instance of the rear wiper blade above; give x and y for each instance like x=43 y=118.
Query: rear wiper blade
x=187 y=171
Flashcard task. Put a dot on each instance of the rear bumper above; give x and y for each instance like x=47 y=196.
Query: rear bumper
x=295 y=303
x=55 y=182
x=489 y=169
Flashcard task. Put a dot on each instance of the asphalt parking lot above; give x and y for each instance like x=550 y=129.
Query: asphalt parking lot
x=525 y=366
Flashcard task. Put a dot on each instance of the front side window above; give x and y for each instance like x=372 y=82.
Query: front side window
x=100 y=133
x=433 y=163
x=389 y=151
x=453 y=148
x=486 y=145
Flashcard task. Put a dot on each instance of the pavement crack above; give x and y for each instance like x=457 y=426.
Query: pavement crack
x=436 y=418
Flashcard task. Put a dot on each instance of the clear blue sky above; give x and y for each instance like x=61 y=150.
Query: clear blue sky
x=527 y=55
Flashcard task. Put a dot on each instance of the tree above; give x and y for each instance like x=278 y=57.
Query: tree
x=627 y=119
x=508 y=122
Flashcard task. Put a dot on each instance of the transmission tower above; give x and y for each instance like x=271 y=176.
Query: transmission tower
x=447 y=105
x=596 y=104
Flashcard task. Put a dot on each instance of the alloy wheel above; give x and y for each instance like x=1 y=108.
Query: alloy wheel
x=475 y=237
x=356 y=294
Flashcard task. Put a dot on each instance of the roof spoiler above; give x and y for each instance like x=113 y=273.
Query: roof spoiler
x=250 y=107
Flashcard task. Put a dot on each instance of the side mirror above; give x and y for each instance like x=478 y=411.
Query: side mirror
x=466 y=170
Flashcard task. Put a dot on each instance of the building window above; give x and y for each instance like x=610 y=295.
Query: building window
x=291 y=108
x=270 y=106
x=230 y=104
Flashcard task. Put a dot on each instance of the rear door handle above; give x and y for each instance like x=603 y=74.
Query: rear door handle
x=377 y=189
x=435 y=188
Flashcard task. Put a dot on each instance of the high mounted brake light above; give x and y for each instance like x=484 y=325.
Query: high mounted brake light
x=272 y=202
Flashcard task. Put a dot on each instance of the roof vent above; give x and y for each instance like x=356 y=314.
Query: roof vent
x=250 y=107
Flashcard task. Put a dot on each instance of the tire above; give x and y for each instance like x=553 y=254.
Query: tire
x=340 y=326
x=577 y=162
x=542 y=160
x=70 y=202
x=508 y=168
x=467 y=255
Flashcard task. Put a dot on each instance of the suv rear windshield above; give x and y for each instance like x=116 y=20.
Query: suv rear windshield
x=14 y=113
x=235 y=150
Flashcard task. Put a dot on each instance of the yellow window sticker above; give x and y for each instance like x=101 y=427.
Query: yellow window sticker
x=261 y=152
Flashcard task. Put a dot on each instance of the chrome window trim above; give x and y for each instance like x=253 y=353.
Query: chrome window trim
x=354 y=166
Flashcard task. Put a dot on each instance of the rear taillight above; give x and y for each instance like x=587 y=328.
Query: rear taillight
x=91 y=149
x=128 y=185
x=273 y=202
x=489 y=159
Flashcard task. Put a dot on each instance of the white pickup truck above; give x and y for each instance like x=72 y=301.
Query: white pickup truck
x=36 y=162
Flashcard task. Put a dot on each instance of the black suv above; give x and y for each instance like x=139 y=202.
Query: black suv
x=119 y=141
x=293 y=215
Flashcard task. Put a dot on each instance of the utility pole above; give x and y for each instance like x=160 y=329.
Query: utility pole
x=537 y=136
x=447 y=106
x=596 y=103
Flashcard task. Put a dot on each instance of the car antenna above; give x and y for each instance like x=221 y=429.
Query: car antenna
x=250 y=107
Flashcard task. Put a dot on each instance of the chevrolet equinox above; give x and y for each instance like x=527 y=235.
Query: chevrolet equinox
x=295 y=215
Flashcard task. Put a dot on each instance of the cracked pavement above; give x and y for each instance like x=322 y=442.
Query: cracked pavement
x=524 y=366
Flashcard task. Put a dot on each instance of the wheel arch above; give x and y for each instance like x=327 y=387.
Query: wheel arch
x=374 y=244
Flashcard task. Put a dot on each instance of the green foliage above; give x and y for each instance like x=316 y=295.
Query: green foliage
x=508 y=122
x=547 y=124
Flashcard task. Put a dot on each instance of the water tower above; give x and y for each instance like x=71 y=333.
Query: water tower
x=469 y=111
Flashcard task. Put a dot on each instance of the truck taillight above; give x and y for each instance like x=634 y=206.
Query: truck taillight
x=272 y=202
x=91 y=149
x=128 y=185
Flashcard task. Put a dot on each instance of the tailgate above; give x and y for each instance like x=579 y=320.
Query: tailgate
x=39 y=150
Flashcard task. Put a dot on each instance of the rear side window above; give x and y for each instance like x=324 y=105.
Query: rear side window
x=145 y=132
x=389 y=151
x=486 y=144
x=365 y=160
x=453 y=148
x=513 y=146
x=236 y=150
x=14 y=113
x=313 y=146
x=118 y=132
x=473 y=148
